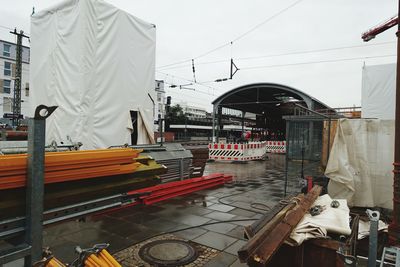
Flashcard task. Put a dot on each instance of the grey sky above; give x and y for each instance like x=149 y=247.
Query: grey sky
x=188 y=28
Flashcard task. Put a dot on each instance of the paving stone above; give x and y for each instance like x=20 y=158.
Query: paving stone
x=221 y=207
x=233 y=249
x=238 y=264
x=141 y=217
x=191 y=234
x=237 y=232
x=221 y=228
x=219 y=216
x=222 y=259
x=244 y=221
x=161 y=225
x=241 y=212
x=196 y=210
x=215 y=240
x=189 y=219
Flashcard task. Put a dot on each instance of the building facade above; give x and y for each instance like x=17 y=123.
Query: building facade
x=193 y=112
x=159 y=109
x=7 y=77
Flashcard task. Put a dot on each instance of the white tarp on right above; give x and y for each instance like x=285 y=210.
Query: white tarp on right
x=361 y=162
x=378 y=92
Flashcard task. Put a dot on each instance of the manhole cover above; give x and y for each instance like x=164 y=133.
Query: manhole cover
x=168 y=253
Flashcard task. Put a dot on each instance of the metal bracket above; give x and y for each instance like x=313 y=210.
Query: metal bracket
x=373 y=236
x=42 y=112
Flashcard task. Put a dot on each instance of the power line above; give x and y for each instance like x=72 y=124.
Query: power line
x=188 y=80
x=285 y=54
x=7 y=28
x=315 y=62
x=237 y=38
x=267 y=20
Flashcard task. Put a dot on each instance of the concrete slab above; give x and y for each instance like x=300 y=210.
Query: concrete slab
x=237 y=232
x=233 y=249
x=238 y=264
x=219 y=216
x=191 y=234
x=215 y=240
x=221 y=207
x=189 y=219
x=221 y=228
x=222 y=259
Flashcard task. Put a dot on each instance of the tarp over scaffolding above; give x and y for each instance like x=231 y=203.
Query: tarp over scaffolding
x=97 y=64
x=360 y=164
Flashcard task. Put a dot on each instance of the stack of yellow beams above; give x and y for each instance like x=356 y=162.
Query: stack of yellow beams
x=70 y=166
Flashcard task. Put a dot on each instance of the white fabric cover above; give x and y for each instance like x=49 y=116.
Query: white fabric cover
x=378 y=92
x=360 y=163
x=330 y=220
x=364 y=226
x=96 y=63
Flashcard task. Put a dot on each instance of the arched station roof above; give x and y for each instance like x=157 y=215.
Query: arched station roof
x=260 y=98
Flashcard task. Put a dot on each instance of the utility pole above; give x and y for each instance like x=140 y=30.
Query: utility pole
x=394 y=227
x=17 y=80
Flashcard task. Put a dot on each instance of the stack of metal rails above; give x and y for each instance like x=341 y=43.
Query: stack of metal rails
x=40 y=188
x=174 y=156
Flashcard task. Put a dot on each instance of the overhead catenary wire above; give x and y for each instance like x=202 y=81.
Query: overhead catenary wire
x=284 y=54
x=315 y=62
x=188 y=80
x=238 y=37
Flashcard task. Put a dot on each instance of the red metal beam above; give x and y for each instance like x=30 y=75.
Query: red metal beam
x=370 y=34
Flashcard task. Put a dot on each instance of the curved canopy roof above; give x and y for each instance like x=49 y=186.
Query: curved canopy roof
x=260 y=98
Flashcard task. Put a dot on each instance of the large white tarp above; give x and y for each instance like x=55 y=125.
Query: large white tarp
x=378 y=92
x=361 y=162
x=96 y=63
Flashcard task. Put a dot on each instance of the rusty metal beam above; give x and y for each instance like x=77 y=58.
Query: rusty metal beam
x=260 y=249
x=394 y=227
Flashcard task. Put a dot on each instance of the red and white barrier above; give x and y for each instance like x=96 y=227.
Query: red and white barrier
x=276 y=147
x=237 y=152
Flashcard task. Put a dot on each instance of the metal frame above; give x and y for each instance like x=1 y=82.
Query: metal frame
x=16 y=225
x=31 y=249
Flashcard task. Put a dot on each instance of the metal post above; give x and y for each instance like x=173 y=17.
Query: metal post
x=161 y=122
x=185 y=127
x=329 y=140
x=181 y=168
x=243 y=114
x=219 y=122
x=287 y=157
x=373 y=237
x=310 y=140
x=394 y=227
x=35 y=183
x=213 y=125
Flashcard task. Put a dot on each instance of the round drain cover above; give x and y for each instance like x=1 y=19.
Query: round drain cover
x=168 y=253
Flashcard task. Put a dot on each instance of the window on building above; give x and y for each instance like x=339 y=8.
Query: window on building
x=6 y=50
x=7 y=104
x=27 y=89
x=7 y=68
x=7 y=86
x=158 y=97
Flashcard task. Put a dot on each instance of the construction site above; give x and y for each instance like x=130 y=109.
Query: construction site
x=107 y=159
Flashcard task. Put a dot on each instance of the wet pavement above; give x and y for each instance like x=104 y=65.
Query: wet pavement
x=257 y=187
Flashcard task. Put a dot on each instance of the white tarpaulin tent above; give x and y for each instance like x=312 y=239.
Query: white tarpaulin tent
x=96 y=63
x=378 y=92
x=361 y=162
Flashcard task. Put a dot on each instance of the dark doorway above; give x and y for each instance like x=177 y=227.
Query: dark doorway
x=134 y=135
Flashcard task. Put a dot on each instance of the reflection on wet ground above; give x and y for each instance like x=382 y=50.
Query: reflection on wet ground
x=257 y=186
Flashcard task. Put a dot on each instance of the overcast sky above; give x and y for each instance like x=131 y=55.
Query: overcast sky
x=187 y=29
